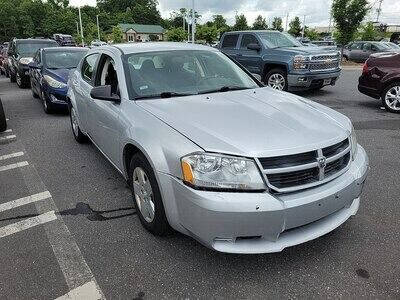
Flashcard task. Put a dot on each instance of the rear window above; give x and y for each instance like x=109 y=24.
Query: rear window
x=230 y=41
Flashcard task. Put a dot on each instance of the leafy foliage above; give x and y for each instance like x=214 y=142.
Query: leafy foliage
x=348 y=15
x=277 y=24
x=260 y=23
x=207 y=33
x=240 y=23
x=116 y=35
x=368 y=32
x=176 y=34
x=295 y=27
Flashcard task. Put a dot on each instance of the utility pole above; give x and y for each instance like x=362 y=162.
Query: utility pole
x=80 y=21
x=98 y=27
x=304 y=26
x=193 y=22
x=378 y=11
x=287 y=22
x=77 y=27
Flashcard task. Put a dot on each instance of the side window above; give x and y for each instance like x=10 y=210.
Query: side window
x=107 y=74
x=88 y=65
x=367 y=46
x=248 y=39
x=374 y=48
x=230 y=41
x=356 y=46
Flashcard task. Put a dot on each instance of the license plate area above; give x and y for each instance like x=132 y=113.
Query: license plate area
x=327 y=81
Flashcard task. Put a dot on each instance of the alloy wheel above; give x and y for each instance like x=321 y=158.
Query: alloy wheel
x=19 y=80
x=143 y=194
x=392 y=98
x=276 y=81
x=74 y=122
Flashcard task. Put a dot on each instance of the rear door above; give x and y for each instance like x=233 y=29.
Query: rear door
x=36 y=73
x=355 y=51
x=229 y=45
x=250 y=59
x=366 y=51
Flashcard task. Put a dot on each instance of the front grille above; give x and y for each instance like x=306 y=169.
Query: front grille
x=298 y=171
x=324 y=65
x=325 y=57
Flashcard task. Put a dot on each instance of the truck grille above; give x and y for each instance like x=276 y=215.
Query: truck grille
x=299 y=171
x=324 y=62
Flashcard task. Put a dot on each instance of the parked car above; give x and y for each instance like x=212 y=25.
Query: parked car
x=20 y=54
x=360 y=51
x=282 y=62
x=64 y=40
x=391 y=45
x=395 y=38
x=211 y=152
x=49 y=73
x=97 y=43
x=3 y=60
x=3 y=121
x=380 y=79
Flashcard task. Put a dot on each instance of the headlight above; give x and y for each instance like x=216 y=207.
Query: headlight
x=25 y=60
x=353 y=140
x=53 y=82
x=219 y=172
x=300 y=62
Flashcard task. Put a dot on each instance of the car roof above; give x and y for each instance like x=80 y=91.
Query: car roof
x=35 y=40
x=60 y=49
x=129 y=48
x=251 y=31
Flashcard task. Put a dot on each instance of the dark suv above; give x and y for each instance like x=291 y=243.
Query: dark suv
x=20 y=53
x=380 y=79
x=282 y=62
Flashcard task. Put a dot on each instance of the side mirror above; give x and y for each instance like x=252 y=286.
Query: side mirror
x=104 y=93
x=254 y=46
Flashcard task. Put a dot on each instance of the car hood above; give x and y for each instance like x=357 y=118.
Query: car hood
x=59 y=74
x=254 y=123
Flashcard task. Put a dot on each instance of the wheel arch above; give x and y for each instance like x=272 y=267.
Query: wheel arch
x=268 y=66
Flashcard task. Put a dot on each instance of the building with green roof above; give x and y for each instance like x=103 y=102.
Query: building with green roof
x=142 y=33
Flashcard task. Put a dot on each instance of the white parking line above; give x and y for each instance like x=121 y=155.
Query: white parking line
x=7 y=131
x=88 y=291
x=24 y=201
x=12 y=155
x=8 y=137
x=14 y=166
x=27 y=223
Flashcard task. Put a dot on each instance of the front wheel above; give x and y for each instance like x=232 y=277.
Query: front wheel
x=391 y=97
x=76 y=131
x=20 y=81
x=276 y=79
x=12 y=77
x=147 y=196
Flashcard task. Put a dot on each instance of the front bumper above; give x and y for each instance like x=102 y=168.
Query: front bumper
x=57 y=97
x=310 y=80
x=262 y=222
x=23 y=71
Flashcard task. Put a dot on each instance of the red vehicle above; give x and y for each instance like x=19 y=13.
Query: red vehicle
x=380 y=79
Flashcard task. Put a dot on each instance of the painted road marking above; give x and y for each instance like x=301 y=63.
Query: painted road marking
x=24 y=201
x=87 y=291
x=27 y=223
x=12 y=155
x=7 y=137
x=14 y=166
x=7 y=131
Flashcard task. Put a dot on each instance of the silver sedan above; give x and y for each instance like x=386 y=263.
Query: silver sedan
x=210 y=152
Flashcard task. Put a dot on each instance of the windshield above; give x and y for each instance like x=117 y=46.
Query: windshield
x=275 y=39
x=187 y=72
x=29 y=49
x=63 y=59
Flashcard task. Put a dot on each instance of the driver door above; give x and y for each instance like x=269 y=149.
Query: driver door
x=250 y=59
x=104 y=116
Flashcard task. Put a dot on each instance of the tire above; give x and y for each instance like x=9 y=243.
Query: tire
x=12 y=77
x=7 y=74
x=47 y=106
x=158 y=224
x=345 y=58
x=3 y=122
x=20 y=81
x=80 y=137
x=394 y=90
x=34 y=95
x=280 y=83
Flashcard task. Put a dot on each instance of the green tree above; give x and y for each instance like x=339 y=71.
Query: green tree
x=277 y=24
x=295 y=27
x=260 y=23
x=368 y=32
x=220 y=22
x=176 y=34
x=312 y=34
x=240 y=23
x=348 y=15
x=116 y=35
x=207 y=33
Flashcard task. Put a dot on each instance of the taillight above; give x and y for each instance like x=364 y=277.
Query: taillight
x=365 y=68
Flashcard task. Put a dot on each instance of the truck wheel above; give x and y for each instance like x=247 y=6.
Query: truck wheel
x=391 y=97
x=3 y=122
x=12 y=77
x=276 y=79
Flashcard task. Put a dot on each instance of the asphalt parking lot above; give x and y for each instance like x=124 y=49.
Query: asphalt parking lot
x=68 y=227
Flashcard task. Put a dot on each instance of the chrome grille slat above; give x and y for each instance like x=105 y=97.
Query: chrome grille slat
x=299 y=171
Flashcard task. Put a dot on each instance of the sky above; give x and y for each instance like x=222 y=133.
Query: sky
x=316 y=11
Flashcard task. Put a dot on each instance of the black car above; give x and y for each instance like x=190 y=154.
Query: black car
x=20 y=54
x=49 y=73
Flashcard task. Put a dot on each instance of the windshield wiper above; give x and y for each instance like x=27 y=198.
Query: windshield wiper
x=225 y=88
x=164 y=95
